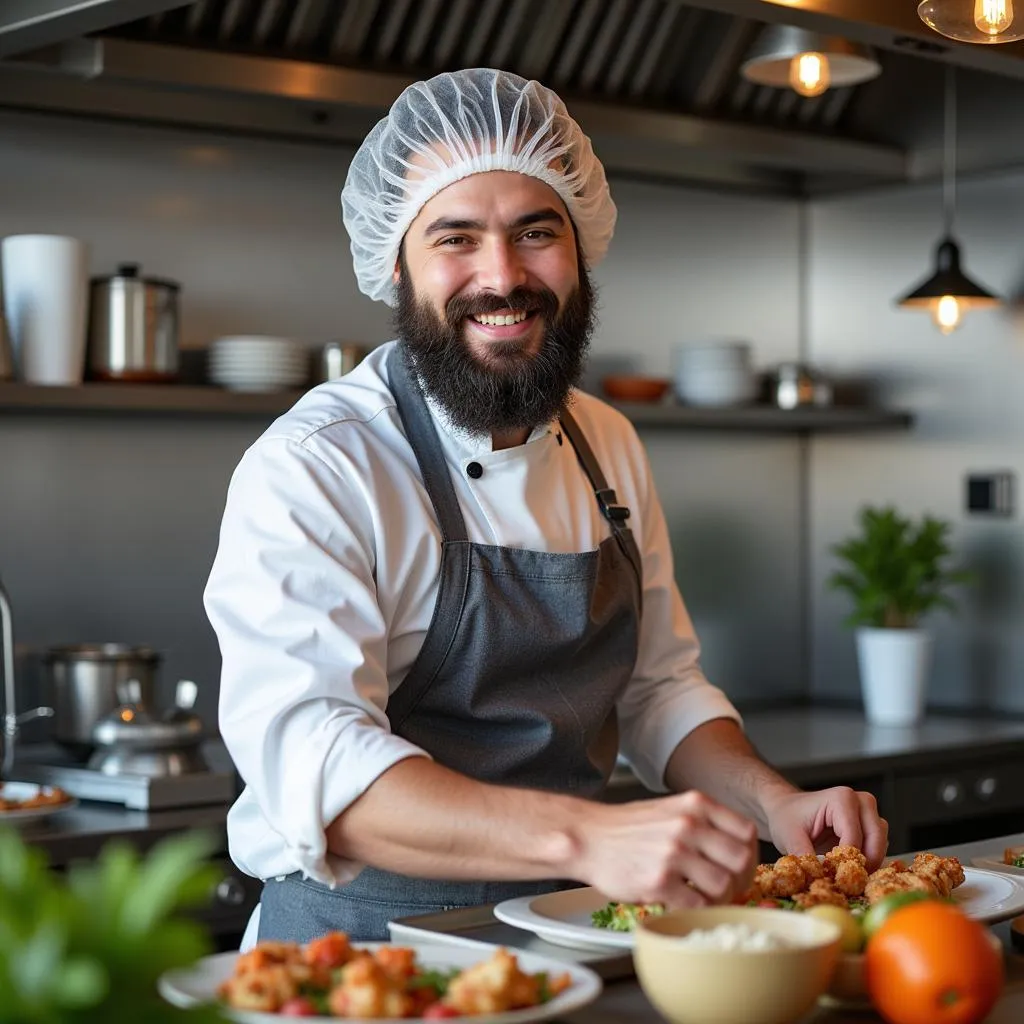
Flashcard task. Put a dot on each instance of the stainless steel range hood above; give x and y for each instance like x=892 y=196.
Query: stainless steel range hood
x=29 y=24
x=655 y=82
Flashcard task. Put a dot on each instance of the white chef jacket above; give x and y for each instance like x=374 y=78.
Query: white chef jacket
x=324 y=585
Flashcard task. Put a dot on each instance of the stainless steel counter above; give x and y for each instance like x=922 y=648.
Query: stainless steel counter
x=809 y=739
x=80 y=832
x=809 y=742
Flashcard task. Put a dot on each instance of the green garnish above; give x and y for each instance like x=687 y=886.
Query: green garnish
x=1018 y=861
x=623 y=917
x=543 y=990
x=318 y=997
x=436 y=980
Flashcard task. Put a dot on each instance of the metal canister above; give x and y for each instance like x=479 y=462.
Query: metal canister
x=339 y=357
x=133 y=327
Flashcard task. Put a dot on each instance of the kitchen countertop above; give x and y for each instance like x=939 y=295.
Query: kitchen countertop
x=79 y=832
x=811 y=743
x=811 y=737
x=623 y=1002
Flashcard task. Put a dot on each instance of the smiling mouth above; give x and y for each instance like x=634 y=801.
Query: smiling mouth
x=502 y=318
x=507 y=324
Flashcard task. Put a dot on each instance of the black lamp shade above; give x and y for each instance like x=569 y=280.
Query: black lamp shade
x=949 y=279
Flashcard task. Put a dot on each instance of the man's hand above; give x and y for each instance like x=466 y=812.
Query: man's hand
x=802 y=823
x=682 y=850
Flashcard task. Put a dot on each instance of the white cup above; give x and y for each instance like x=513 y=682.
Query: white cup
x=45 y=282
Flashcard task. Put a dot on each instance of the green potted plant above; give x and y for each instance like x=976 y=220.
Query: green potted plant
x=896 y=570
x=87 y=946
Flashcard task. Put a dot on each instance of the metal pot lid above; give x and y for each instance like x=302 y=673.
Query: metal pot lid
x=102 y=652
x=131 y=726
x=130 y=272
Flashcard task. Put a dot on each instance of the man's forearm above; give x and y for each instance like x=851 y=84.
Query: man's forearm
x=717 y=759
x=421 y=819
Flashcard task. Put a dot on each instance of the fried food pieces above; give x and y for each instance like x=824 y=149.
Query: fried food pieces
x=842 y=875
x=376 y=984
x=48 y=796
x=497 y=986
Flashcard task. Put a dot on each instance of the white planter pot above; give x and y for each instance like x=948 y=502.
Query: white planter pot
x=894 y=666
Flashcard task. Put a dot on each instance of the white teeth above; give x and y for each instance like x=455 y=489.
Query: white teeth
x=501 y=320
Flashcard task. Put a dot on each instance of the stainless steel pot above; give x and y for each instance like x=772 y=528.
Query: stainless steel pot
x=133 y=326
x=84 y=680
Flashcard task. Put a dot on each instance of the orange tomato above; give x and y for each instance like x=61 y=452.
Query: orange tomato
x=929 y=963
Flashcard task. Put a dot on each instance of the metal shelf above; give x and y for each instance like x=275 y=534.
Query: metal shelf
x=144 y=399
x=765 y=418
x=190 y=400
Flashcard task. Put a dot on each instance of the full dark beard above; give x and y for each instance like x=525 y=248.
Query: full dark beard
x=514 y=389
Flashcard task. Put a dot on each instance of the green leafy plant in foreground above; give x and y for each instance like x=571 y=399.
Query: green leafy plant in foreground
x=895 y=569
x=87 y=947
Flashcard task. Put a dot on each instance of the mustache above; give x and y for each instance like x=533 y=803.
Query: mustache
x=530 y=300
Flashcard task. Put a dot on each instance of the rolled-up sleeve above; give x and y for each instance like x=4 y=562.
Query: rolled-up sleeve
x=292 y=599
x=668 y=695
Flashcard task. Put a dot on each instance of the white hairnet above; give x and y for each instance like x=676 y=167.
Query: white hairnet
x=450 y=127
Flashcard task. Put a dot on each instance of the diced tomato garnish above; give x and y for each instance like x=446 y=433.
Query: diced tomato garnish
x=772 y=904
x=330 y=950
x=300 y=1006
x=440 y=1011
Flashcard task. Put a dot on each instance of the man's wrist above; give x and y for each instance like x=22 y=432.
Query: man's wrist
x=769 y=795
x=560 y=849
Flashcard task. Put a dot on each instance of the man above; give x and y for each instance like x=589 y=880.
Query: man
x=444 y=590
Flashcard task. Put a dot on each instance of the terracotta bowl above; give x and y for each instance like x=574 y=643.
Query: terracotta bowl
x=635 y=389
x=701 y=986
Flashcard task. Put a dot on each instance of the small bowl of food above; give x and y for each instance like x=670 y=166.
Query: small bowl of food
x=735 y=965
x=623 y=388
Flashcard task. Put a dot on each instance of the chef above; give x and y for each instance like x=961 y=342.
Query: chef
x=444 y=591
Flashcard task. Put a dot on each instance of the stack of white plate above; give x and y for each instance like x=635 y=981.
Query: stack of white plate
x=255 y=363
x=714 y=373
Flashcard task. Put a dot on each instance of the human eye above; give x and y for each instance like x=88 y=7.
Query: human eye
x=453 y=241
x=537 y=235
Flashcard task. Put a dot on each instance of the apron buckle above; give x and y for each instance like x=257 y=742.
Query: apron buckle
x=612 y=510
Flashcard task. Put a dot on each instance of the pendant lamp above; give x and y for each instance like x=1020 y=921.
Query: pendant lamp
x=807 y=62
x=949 y=292
x=974 y=21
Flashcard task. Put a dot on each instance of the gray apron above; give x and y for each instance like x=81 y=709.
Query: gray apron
x=516 y=683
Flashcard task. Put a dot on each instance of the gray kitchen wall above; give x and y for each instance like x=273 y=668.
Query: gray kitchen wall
x=108 y=524
x=965 y=390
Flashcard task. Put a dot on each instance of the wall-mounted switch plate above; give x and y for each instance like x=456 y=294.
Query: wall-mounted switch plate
x=991 y=494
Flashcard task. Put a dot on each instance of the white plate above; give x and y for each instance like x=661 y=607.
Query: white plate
x=25 y=791
x=191 y=986
x=989 y=896
x=563 y=918
x=996 y=864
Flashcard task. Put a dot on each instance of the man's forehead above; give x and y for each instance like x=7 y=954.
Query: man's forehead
x=499 y=197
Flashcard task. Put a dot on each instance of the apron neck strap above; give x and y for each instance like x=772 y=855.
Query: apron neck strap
x=426 y=445
x=615 y=513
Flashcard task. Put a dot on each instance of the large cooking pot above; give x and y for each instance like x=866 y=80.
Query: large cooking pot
x=84 y=682
x=133 y=327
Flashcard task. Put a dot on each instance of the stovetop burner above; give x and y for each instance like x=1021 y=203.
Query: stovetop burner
x=54 y=767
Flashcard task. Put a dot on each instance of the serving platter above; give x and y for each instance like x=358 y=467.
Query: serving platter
x=196 y=985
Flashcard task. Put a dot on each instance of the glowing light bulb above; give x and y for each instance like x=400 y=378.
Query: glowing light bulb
x=809 y=73
x=948 y=314
x=993 y=16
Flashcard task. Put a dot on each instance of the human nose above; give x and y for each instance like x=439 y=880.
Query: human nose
x=501 y=268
